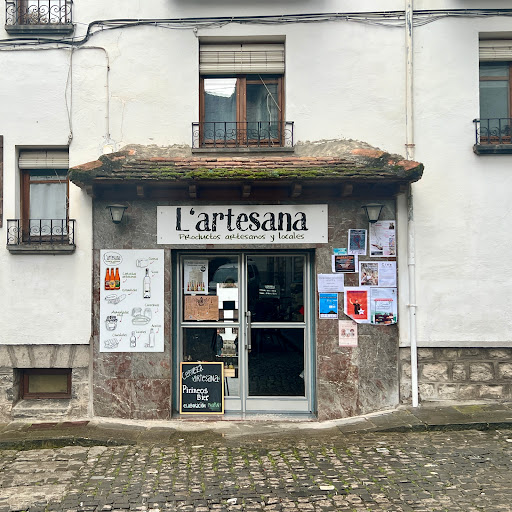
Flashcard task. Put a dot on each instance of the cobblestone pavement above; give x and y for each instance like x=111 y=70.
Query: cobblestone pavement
x=430 y=471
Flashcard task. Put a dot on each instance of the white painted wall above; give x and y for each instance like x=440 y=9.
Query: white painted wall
x=343 y=80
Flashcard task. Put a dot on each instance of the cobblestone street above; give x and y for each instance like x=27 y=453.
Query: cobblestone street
x=435 y=471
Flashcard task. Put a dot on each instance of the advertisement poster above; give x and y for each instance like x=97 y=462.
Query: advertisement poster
x=339 y=251
x=357 y=241
x=331 y=282
x=356 y=304
x=368 y=273
x=195 y=277
x=347 y=336
x=382 y=238
x=328 y=305
x=381 y=273
x=383 y=306
x=132 y=301
x=344 y=263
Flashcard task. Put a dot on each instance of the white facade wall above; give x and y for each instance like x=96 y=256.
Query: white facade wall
x=139 y=85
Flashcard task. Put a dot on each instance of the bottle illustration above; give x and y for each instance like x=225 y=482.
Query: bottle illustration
x=151 y=338
x=133 y=340
x=147 y=285
x=107 y=280
x=112 y=279
x=117 y=280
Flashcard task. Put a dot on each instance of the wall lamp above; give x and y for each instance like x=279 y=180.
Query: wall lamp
x=117 y=212
x=373 y=211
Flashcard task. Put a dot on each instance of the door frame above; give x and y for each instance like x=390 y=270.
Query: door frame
x=244 y=404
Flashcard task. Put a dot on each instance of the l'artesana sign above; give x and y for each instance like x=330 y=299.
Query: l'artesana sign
x=242 y=224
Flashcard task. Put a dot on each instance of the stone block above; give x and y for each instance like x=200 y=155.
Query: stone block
x=427 y=391
x=406 y=370
x=425 y=354
x=481 y=372
x=447 y=391
x=405 y=392
x=491 y=392
x=504 y=370
x=469 y=392
x=448 y=354
x=459 y=372
x=405 y=354
x=436 y=372
x=471 y=353
x=504 y=354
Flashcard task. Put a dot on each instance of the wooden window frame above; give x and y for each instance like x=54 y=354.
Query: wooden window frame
x=26 y=181
x=241 y=108
x=25 y=394
x=508 y=77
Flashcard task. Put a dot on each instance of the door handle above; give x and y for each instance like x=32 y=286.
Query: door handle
x=248 y=330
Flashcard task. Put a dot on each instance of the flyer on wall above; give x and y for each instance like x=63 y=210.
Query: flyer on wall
x=383 y=306
x=132 y=300
x=347 y=333
x=377 y=273
x=382 y=238
x=328 y=305
x=357 y=241
x=331 y=282
x=356 y=304
x=344 y=263
x=195 y=277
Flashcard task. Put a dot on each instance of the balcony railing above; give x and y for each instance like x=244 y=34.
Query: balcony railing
x=38 y=12
x=222 y=134
x=41 y=231
x=495 y=131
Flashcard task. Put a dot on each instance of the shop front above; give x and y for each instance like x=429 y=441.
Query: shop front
x=229 y=270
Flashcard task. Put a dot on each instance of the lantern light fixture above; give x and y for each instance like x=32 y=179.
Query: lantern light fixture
x=373 y=211
x=117 y=212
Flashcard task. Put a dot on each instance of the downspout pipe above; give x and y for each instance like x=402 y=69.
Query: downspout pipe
x=409 y=152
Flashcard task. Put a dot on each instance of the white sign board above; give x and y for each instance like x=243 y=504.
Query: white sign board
x=132 y=301
x=242 y=224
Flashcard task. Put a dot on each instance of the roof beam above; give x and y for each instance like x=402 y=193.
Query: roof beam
x=192 y=191
x=246 y=191
x=296 y=190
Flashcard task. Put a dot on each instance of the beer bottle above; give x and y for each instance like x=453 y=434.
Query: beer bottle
x=112 y=279
x=107 y=280
x=117 y=279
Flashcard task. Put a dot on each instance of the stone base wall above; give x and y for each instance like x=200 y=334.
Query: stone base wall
x=15 y=358
x=458 y=374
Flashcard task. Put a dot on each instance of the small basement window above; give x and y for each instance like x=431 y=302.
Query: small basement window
x=46 y=383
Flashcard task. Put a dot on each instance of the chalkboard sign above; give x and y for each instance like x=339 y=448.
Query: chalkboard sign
x=202 y=388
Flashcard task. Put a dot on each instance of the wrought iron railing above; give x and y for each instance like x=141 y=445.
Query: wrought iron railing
x=497 y=130
x=38 y=12
x=41 y=231
x=225 y=134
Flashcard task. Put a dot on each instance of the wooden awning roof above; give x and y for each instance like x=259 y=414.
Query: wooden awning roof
x=127 y=175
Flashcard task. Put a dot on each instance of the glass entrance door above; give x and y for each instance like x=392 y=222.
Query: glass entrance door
x=248 y=311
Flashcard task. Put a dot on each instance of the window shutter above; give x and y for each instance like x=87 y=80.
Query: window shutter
x=1 y=179
x=218 y=59
x=44 y=159
x=496 y=50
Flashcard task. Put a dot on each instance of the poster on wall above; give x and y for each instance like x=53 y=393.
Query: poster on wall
x=377 y=273
x=344 y=263
x=382 y=238
x=347 y=333
x=356 y=304
x=201 y=308
x=383 y=306
x=132 y=301
x=195 y=277
x=331 y=282
x=357 y=241
x=328 y=305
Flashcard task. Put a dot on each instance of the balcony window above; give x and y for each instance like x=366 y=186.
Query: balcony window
x=242 y=97
x=29 y=16
x=44 y=200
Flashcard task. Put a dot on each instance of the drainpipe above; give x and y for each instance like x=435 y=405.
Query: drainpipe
x=409 y=153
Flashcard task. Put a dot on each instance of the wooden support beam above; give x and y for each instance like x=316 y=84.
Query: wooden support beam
x=296 y=190
x=141 y=191
x=192 y=191
x=347 y=190
x=91 y=191
x=246 y=191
